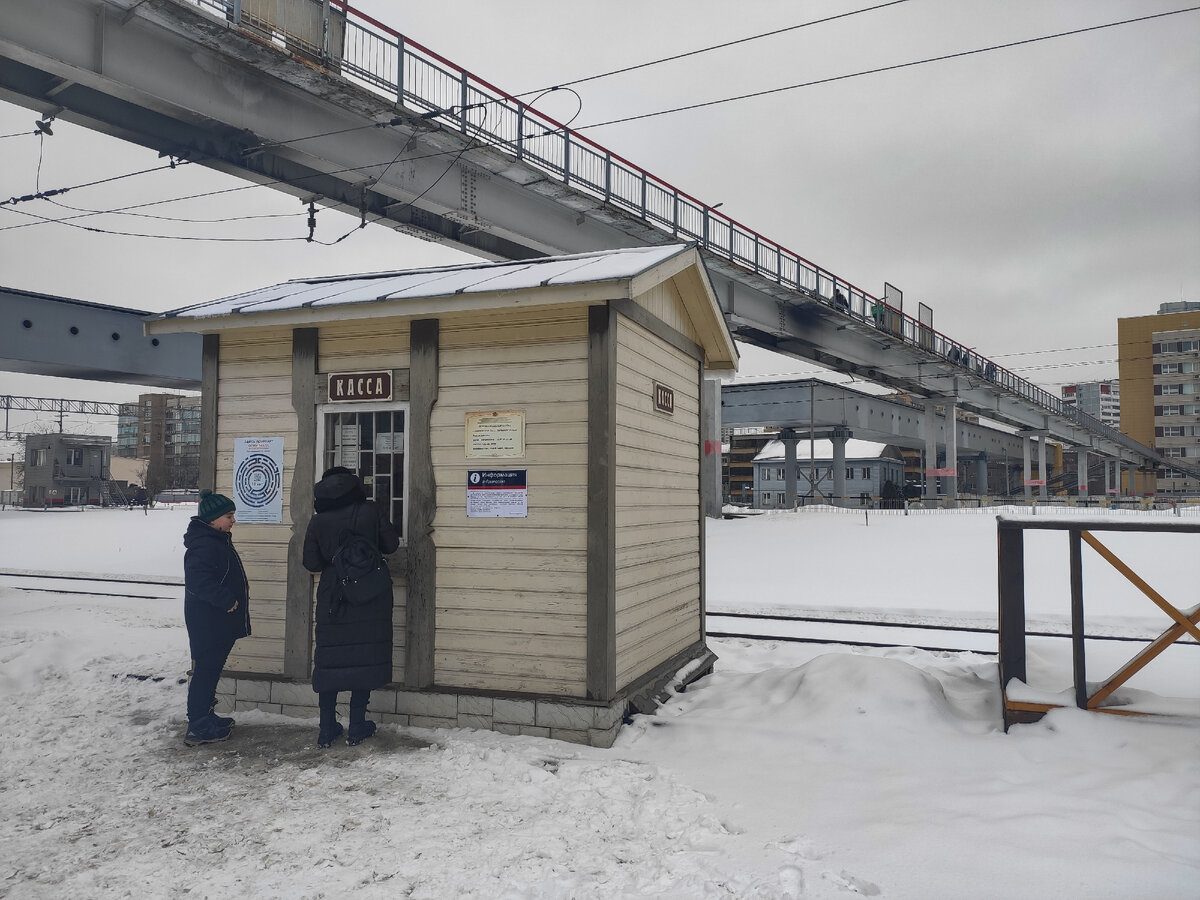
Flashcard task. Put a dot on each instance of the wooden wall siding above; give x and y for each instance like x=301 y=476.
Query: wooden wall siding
x=665 y=304
x=488 y=330
x=657 y=504
x=364 y=346
x=248 y=408
x=511 y=603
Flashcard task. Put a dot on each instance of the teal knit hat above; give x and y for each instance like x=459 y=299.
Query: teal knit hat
x=213 y=506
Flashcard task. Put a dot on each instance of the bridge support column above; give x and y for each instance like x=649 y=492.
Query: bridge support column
x=1042 y=488
x=1027 y=471
x=1108 y=478
x=951 y=480
x=981 y=482
x=931 y=454
x=1081 y=466
x=788 y=436
x=838 y=439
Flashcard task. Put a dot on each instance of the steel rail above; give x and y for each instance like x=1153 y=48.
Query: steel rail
x=967 y=629
x=24 y=573
x=804 y=640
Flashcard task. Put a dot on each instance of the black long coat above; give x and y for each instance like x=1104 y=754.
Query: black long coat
x=213 y=580
x=354 y=643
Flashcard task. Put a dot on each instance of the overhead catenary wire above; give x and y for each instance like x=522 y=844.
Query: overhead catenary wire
x=161 y=237
x=41 y=195
x=1053 y=350
x=880 y=69
x=44 y=220
x=708 y=49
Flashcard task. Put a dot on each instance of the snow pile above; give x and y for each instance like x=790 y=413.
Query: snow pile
x=794 y=771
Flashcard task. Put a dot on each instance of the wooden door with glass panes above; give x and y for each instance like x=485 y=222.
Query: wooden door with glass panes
x=369 y=440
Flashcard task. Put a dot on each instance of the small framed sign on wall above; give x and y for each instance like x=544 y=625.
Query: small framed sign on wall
x=664 y=399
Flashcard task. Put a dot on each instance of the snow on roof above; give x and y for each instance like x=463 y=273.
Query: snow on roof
x=823 y=450
x=441 y=281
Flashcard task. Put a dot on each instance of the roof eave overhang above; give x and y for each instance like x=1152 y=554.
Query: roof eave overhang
x=407 y=308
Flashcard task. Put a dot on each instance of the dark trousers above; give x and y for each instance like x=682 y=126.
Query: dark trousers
x=327 y=701
x=206 y=672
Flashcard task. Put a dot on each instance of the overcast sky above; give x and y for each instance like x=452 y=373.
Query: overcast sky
x=1030 y=195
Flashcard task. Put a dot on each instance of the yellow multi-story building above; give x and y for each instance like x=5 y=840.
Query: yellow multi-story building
x=1159 y=360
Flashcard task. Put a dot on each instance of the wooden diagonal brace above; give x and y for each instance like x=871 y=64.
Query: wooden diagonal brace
x=1135 y=579
x=1139 y=662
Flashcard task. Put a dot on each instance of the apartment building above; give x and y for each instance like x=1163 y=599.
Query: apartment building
x=1159 y=358
x=163 y=429
x=1099 y=399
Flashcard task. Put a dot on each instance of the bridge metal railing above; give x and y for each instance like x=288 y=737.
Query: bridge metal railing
x=379 y=58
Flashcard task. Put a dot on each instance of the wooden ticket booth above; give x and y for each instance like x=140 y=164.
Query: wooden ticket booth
x=534 y=428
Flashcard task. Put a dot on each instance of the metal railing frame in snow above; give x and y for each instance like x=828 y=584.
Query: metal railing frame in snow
x=1010 y=538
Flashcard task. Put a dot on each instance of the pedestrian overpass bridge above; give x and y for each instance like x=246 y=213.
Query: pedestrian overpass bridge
x=313 y=98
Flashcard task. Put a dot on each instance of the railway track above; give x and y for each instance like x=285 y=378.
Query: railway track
x=867 y=633
x=808 y=629
x=93 y=585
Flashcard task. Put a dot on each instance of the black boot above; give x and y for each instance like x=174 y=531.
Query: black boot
x=360 y=727
x=331 y=729
x=206 y=731
x=225 y=721
x=329 y=734
x=359 y=732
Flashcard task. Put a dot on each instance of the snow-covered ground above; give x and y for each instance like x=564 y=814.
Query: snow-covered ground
x=795 y=770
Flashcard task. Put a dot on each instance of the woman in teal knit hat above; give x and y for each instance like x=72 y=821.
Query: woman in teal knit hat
x=216 y=608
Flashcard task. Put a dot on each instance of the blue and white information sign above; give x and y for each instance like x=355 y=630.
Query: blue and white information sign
x=258 y=479
x=497 y=494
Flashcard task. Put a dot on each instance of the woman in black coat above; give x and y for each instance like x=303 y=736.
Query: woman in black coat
x=216 y=609
x=354 y=641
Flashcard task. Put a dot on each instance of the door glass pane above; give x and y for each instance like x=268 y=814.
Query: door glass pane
x=370 y=444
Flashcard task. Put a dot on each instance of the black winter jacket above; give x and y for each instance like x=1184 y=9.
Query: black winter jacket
x=213 y=580
x=354 y=643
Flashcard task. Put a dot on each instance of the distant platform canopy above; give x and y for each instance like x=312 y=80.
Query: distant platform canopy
x=823 y=449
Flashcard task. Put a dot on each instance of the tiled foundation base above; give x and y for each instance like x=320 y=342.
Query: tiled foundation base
x=562 y=719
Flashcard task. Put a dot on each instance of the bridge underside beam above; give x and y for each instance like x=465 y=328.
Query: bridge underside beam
x=41 y=335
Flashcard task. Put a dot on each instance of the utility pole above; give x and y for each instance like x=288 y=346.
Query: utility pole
x=812 y=441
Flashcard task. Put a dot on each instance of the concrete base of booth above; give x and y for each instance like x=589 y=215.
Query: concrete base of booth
x=558 y=718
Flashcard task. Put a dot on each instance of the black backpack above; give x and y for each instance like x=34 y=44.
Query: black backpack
x=358 y=569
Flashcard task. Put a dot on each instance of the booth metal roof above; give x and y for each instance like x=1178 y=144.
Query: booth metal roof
x=579 y=278
x=441 y=281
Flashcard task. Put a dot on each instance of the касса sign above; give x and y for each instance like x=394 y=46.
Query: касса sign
x=350 y=386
